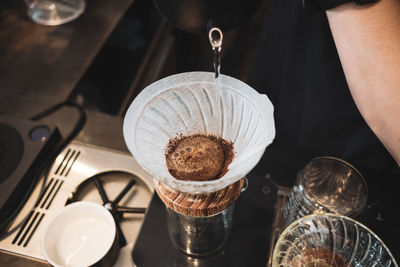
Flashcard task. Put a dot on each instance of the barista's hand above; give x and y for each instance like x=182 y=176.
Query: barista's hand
x=368 y=42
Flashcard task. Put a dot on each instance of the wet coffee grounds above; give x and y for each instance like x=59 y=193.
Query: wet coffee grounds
x=198 y=157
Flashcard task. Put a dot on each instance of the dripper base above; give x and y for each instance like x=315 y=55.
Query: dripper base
x=199 y=205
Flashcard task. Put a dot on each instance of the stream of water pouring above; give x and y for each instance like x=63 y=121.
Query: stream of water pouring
x=215 y=36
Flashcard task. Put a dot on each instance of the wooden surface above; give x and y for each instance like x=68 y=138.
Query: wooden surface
x=11 y=260
x=199 y=205
x=40 y=65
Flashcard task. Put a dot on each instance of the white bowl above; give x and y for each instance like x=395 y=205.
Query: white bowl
x=80 y=234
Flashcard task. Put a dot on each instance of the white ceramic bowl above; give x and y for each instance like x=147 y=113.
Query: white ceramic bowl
x=81 y=234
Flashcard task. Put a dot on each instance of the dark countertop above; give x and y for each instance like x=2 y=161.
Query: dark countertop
x=40 y=65
x=248 y=244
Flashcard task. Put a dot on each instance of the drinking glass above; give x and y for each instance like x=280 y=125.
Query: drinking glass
x=199 y=236
x=330 y=240
x=54 y=12
x=326 y=184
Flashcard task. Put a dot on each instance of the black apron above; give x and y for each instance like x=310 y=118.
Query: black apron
x=298 y=67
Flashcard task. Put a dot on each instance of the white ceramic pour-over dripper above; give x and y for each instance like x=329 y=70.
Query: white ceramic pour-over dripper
x=188 y=103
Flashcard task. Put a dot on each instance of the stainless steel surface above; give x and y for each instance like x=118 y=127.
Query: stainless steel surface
x=215 y=37
x=77 y=163
x=101 y=129
x=199 y=235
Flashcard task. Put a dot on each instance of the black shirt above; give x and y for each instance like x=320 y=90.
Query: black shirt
x=298 y=67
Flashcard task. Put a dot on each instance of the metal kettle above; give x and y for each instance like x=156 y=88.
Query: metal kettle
x=199 y=16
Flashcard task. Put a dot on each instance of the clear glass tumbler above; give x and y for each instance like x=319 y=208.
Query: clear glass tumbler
x=326 y=184
x=199 y=236
x=54 y=12
x=330 y=240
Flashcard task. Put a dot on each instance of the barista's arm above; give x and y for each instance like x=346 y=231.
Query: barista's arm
x=368 y=42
